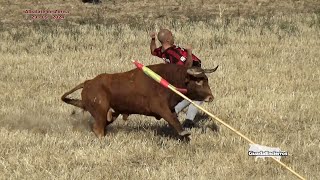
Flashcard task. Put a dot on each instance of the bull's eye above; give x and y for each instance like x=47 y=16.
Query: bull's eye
x=200 y=83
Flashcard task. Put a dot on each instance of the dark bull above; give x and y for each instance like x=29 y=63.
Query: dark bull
x=133 y=92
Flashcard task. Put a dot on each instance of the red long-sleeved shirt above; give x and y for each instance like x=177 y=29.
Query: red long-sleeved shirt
x=176 y=55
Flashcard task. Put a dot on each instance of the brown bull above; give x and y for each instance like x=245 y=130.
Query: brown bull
x=133 y=92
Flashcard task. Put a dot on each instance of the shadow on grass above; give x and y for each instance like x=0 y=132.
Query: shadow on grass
x=203 y=124
x=164 y=130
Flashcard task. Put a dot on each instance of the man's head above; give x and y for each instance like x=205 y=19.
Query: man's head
x=165 y=37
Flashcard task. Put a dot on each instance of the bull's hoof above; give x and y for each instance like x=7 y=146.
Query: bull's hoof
x=98 y=132
x=125 y=116
x=185 y=137
x=185 y=133
x=99 y=136
x=73 y=112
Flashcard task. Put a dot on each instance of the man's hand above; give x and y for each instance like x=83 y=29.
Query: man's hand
x=153 y=45
x=189 y=60
x=153 y=34
x=189 y=48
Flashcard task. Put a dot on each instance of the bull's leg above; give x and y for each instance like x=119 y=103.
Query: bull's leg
x=100 y=110
x=100 y=115
x=167 y=115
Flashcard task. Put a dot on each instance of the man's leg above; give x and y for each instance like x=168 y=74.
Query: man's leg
x=181 y=105
x=191 y=114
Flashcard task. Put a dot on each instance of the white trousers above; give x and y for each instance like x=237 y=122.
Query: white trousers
x=192 y=110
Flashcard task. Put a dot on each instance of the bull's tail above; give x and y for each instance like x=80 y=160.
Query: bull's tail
x=75 y=102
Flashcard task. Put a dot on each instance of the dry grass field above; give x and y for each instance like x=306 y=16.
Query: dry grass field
x=267 y=87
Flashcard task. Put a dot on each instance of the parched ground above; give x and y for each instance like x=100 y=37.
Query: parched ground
x=267 y=87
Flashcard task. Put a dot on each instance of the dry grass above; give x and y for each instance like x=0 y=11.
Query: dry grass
x=267 y=87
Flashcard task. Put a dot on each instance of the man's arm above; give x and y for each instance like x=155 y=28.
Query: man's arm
x=153 y=45
x=189 y=60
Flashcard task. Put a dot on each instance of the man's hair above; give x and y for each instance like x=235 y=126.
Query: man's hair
x=163 y=35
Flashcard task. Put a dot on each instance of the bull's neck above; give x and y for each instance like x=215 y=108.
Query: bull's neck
x=176 y=77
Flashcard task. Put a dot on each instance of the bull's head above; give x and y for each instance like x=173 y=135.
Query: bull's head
x=197 y=84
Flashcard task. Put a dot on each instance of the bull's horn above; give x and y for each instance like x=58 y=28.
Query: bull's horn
x=210 y=70
x=194 y=71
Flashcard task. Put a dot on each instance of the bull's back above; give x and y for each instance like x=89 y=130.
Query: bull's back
x=132 y=92
x=136 y=91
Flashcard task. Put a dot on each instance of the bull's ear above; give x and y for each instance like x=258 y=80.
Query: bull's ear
x=210 y=70
x=195 y=71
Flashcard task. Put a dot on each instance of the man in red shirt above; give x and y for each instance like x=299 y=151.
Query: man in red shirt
x=171 y=53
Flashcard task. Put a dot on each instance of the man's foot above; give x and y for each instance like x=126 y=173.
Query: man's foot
x=185 y=133
x=188 y=124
